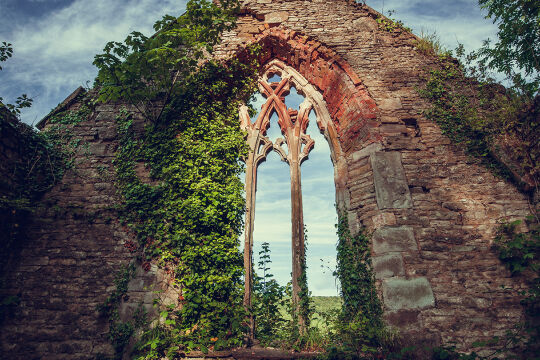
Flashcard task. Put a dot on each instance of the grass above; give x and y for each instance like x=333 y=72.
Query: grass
x=322 y=305
x=429 y=43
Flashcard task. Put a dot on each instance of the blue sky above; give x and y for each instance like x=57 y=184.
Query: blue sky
x=54 y=44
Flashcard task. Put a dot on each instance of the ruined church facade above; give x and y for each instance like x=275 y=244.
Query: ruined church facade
x=431 y=209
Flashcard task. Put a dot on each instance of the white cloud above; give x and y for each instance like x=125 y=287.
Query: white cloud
x=53 y=56
x=454 y=21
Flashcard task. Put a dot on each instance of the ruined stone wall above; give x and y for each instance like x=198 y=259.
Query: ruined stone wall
x=432 y=210
x=12 y=140
x=75 y=248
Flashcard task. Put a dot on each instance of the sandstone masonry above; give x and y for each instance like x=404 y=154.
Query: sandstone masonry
x=432 y=210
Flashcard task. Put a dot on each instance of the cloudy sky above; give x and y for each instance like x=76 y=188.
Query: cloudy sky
x=54 y=44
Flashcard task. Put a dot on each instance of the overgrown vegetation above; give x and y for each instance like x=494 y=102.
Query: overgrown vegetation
x=38 y=162
x=499 y=127
x=516 y=52
x=359 y=331
x=120 y=332
x=189 y=218
x=268 y=299
x=355 y=330
x=35 y=163
x=495 y=125
x=428 y=43
x=190 y=221
x=520 y=251
x=388 y=24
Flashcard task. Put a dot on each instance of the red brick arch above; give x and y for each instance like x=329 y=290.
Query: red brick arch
x=353 y=111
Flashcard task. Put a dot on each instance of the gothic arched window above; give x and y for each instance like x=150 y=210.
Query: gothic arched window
x=293 y=148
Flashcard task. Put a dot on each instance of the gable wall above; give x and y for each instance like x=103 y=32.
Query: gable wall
x=431 y=209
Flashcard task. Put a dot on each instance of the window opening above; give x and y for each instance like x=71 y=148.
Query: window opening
x=319 y=193
x=273 y=216
x=293 y=146
x=274 y=132
x=274 y=78
x=294 y=99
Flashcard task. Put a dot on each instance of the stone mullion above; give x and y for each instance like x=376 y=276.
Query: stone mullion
x=294 y=133
x=297 y=219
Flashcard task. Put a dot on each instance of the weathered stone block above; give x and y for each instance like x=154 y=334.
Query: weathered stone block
x=388 y=265
x=276 y=17
x=390 y=181
x=98 y=149
x=393 y=239
x=391 y=104
x=402 y=318
x=105 y=117
x=107 y=133
x=383 y=219
x=366 y=151
x=408 y=294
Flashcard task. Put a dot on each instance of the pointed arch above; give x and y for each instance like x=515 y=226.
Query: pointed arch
x=349 y=117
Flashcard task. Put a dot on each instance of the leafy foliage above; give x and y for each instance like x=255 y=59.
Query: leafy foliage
x=189 y=216
x=191 y=219
x=268 y=298
x=389 y=24
x=520 y=251
x=518 y=43
x=305 y=308
x=6 y=51
x=362 y=311
x=23 y=101
x=120 y=332
x=150 y=71
x=39 y=163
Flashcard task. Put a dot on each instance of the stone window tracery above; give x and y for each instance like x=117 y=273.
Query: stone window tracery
x=293 y=148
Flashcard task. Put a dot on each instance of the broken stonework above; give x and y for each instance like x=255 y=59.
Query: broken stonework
x=393 y=239
x=390 y=182
x=388 y=266
x=394 y=170
x=407 y=294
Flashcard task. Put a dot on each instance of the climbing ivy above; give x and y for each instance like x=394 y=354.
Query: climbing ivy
x=190 y=218
x=493 y=124
x=362 y=328
x=120 y=332
x=520 y=251
x=305 y=307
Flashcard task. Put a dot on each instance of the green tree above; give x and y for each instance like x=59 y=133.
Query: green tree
x=23 y=101
x=518 y=43
x=190 y=219
x=148 y=71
